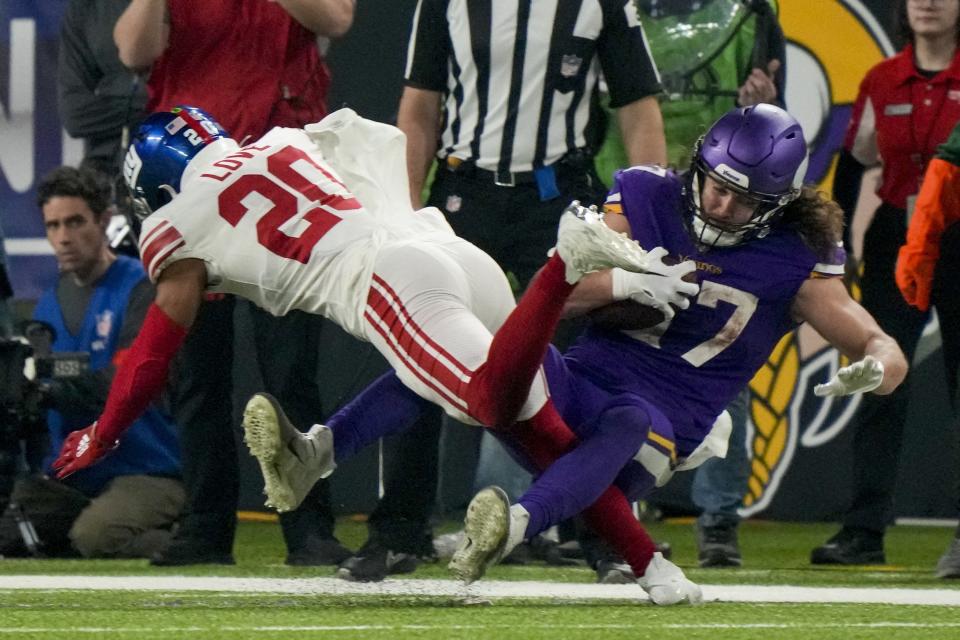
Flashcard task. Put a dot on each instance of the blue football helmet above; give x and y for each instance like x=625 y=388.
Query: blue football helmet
x=758 y=152
x=160 y=151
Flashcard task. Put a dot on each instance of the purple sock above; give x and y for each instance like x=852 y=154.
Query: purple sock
x=574 y=481
x=384 y=408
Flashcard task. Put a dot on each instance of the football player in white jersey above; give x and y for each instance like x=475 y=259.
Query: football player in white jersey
x=318 y=219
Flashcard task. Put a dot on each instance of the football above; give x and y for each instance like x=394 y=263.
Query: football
x=630 y=314
x=625 y=314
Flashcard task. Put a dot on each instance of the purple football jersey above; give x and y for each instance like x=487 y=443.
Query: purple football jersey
x=692 y=366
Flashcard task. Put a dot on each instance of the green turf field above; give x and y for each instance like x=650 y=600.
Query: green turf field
x=263 y=598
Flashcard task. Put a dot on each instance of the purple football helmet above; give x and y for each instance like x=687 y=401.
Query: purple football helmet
x=160 y=151
x=757 y=152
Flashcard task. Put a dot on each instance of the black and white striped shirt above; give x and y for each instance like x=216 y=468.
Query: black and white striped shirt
x=517 y=76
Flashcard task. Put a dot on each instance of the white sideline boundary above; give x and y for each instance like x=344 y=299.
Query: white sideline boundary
x=491 y=590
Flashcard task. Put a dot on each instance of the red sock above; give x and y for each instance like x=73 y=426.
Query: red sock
x=544 y=437
x=612 y=519
x=500 y=386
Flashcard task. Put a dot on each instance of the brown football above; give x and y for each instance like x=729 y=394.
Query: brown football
x=630 y=314
x=625 y=314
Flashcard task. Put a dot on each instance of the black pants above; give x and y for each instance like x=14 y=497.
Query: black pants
x=203 y=409
x=401 y=520
x=512 y=224
x=517 y=229
x=286 y=349
x=287 y=357
x=946 y=298
x=878 y=425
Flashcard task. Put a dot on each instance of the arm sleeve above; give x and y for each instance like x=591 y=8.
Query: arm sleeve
x=429 y=49
x=142 y=375
x=87 y=393
x=84 y=113
x=624 y=55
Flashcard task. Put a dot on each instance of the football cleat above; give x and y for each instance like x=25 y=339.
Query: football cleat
x=717 y=546
x=373 y=562
x=291 y=461
x=486 y=530
x=851 y=546
x=586 y=244
x=665 y=583
x=609 y=571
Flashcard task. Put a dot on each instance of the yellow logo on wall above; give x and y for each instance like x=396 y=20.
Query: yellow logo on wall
x=831 y=44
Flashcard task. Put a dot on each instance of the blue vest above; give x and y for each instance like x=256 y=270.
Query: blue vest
x=150 y=446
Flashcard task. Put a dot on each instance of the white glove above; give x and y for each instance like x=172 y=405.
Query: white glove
x=860 y=377
x=655 y=263
x=665 y=583
x=657 y=290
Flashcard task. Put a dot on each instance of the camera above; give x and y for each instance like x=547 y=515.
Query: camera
x=24 y=364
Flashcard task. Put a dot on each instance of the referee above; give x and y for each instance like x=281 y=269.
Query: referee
x=501 y=95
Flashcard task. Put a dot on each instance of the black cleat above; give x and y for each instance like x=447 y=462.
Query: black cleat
x=373 y=562
x=851 y=546
x=318 y=552
x=184 y=552
x=717 y=546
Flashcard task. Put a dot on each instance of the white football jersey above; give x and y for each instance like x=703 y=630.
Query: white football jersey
x=294 y=220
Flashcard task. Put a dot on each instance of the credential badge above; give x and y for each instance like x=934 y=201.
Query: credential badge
x=104 y=326
x=898 y=109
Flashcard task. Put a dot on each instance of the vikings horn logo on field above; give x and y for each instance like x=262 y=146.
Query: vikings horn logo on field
x=826 y=59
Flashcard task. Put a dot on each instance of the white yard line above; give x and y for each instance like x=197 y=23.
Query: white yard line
x=481 y=590
x=393 y=628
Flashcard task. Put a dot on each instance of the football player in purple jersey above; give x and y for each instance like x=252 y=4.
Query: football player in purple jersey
x=647 y=402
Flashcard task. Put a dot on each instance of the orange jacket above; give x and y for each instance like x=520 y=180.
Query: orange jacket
x=938 y=206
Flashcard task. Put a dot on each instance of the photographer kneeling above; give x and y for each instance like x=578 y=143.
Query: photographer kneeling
x=125 y=506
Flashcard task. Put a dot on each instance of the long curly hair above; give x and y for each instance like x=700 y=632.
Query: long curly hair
x=818 y=220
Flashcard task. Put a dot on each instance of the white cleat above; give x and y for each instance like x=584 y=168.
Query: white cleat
x=586 y=244
x=486 y=529
x=291 y=461
x=665 y=583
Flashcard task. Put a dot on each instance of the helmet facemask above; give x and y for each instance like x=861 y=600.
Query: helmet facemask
x=710 y=232
x=758 y=154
